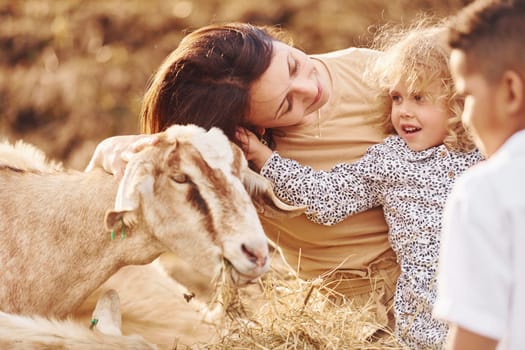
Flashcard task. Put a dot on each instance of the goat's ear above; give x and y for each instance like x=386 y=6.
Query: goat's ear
x=265 y=199
x=107 y=313
x=137 y=181
x=114 y=220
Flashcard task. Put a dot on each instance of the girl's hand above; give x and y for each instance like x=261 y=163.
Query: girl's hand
x=254 y=150
x=113 y=154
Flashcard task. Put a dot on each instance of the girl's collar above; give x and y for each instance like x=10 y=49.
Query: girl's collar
x=396 y=142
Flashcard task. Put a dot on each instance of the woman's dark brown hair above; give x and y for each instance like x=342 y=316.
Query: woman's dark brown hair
x=206 y=80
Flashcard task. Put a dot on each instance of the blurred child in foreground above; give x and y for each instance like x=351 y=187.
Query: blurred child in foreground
x=410 y=174
x=482 y=264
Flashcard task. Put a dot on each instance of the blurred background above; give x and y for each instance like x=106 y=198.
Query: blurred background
x=72 y=72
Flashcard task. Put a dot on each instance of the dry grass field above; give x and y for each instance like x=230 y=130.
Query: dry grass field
x=72 y=72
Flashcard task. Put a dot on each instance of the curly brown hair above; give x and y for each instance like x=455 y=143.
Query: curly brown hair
x=418 y=55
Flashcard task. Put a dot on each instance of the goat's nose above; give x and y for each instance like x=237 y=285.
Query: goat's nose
x=258 y=258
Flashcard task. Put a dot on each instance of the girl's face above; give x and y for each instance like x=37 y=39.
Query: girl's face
x=420 y=118
x=288 y=91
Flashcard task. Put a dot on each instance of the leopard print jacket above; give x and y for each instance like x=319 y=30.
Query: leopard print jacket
x=412 y=187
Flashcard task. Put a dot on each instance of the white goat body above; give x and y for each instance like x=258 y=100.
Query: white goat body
x=158 y=307
x=24 y=156
x=184 y=195
x=38 y=333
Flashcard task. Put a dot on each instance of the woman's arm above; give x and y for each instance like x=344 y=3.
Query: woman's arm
x=113 y=153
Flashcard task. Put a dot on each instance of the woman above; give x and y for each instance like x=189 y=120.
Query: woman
x=239 y=75
x=409 y=174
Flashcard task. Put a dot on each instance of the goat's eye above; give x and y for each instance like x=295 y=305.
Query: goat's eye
x=179 y=178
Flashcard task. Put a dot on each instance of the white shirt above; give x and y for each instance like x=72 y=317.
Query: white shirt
x=482 y=263
x=412 y=187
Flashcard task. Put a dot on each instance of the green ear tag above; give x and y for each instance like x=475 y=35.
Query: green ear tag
x=112 y=235
x=123 y=233
x=93 y=323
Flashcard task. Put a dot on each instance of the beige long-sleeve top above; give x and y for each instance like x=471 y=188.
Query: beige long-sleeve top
x=358 y=246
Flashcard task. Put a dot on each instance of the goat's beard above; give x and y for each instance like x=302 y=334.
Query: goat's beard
x=226 y=295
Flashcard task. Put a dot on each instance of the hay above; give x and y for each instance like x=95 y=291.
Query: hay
x=283 y=311
x=226 y=295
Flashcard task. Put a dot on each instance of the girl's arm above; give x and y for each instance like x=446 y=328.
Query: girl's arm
x=254 y=150
x=330 y=196
x=462 y=339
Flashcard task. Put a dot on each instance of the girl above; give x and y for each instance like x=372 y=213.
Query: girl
x=410 y=174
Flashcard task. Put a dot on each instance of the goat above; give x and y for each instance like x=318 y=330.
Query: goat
x=158 y=307
x=38 y=333
x=24 y=156
x=183 y=195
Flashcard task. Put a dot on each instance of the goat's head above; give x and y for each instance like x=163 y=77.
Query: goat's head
x=188 y=192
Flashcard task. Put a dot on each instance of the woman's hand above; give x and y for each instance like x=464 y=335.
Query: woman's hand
x=254 y=150
x=113 y=154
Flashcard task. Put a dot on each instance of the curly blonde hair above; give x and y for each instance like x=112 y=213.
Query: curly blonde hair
x=418 y=55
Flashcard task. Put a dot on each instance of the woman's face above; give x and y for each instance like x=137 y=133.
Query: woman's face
x=290 y=89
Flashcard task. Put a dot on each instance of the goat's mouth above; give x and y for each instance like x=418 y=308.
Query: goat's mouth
x=240 y=278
